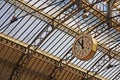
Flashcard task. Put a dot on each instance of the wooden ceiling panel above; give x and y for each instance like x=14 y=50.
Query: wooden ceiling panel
x=9 y=54
x=6 y=70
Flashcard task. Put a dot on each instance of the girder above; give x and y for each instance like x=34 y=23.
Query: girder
x=63 y=9
x=102 y=16
x=98 y=66
x=42 y=55
x=61 y=27
x=45 y=17
x=55 y=22
x=116 y=3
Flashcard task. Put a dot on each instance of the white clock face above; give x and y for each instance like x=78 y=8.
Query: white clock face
x=83 y=46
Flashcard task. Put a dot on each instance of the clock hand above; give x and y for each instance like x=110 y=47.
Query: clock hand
x=81 y=44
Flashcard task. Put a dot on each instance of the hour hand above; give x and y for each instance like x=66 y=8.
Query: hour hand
x=82 y=43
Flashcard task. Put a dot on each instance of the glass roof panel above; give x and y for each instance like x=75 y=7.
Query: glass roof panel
x=59 y=40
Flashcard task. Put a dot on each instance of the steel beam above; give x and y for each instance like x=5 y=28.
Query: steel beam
x=102 y=16
x=63 y=9
x=116 y=4
x=109 y=14
x=39 y=14
x=45 y=17
x=4 y=38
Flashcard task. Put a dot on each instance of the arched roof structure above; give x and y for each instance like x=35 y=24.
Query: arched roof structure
x=36 y=39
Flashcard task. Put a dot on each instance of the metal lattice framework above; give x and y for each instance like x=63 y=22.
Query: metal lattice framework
x=36 y=37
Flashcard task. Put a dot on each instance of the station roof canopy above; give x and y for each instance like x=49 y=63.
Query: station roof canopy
x=50 y=27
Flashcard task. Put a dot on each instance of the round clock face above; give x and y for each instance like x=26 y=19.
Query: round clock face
x=83 y=47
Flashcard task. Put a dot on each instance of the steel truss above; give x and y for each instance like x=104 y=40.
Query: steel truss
x=24 y=60
x=58 y=22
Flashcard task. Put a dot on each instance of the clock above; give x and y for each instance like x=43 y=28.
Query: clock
x=84 y=47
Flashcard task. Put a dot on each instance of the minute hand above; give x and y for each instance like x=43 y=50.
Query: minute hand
x=81 y=44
